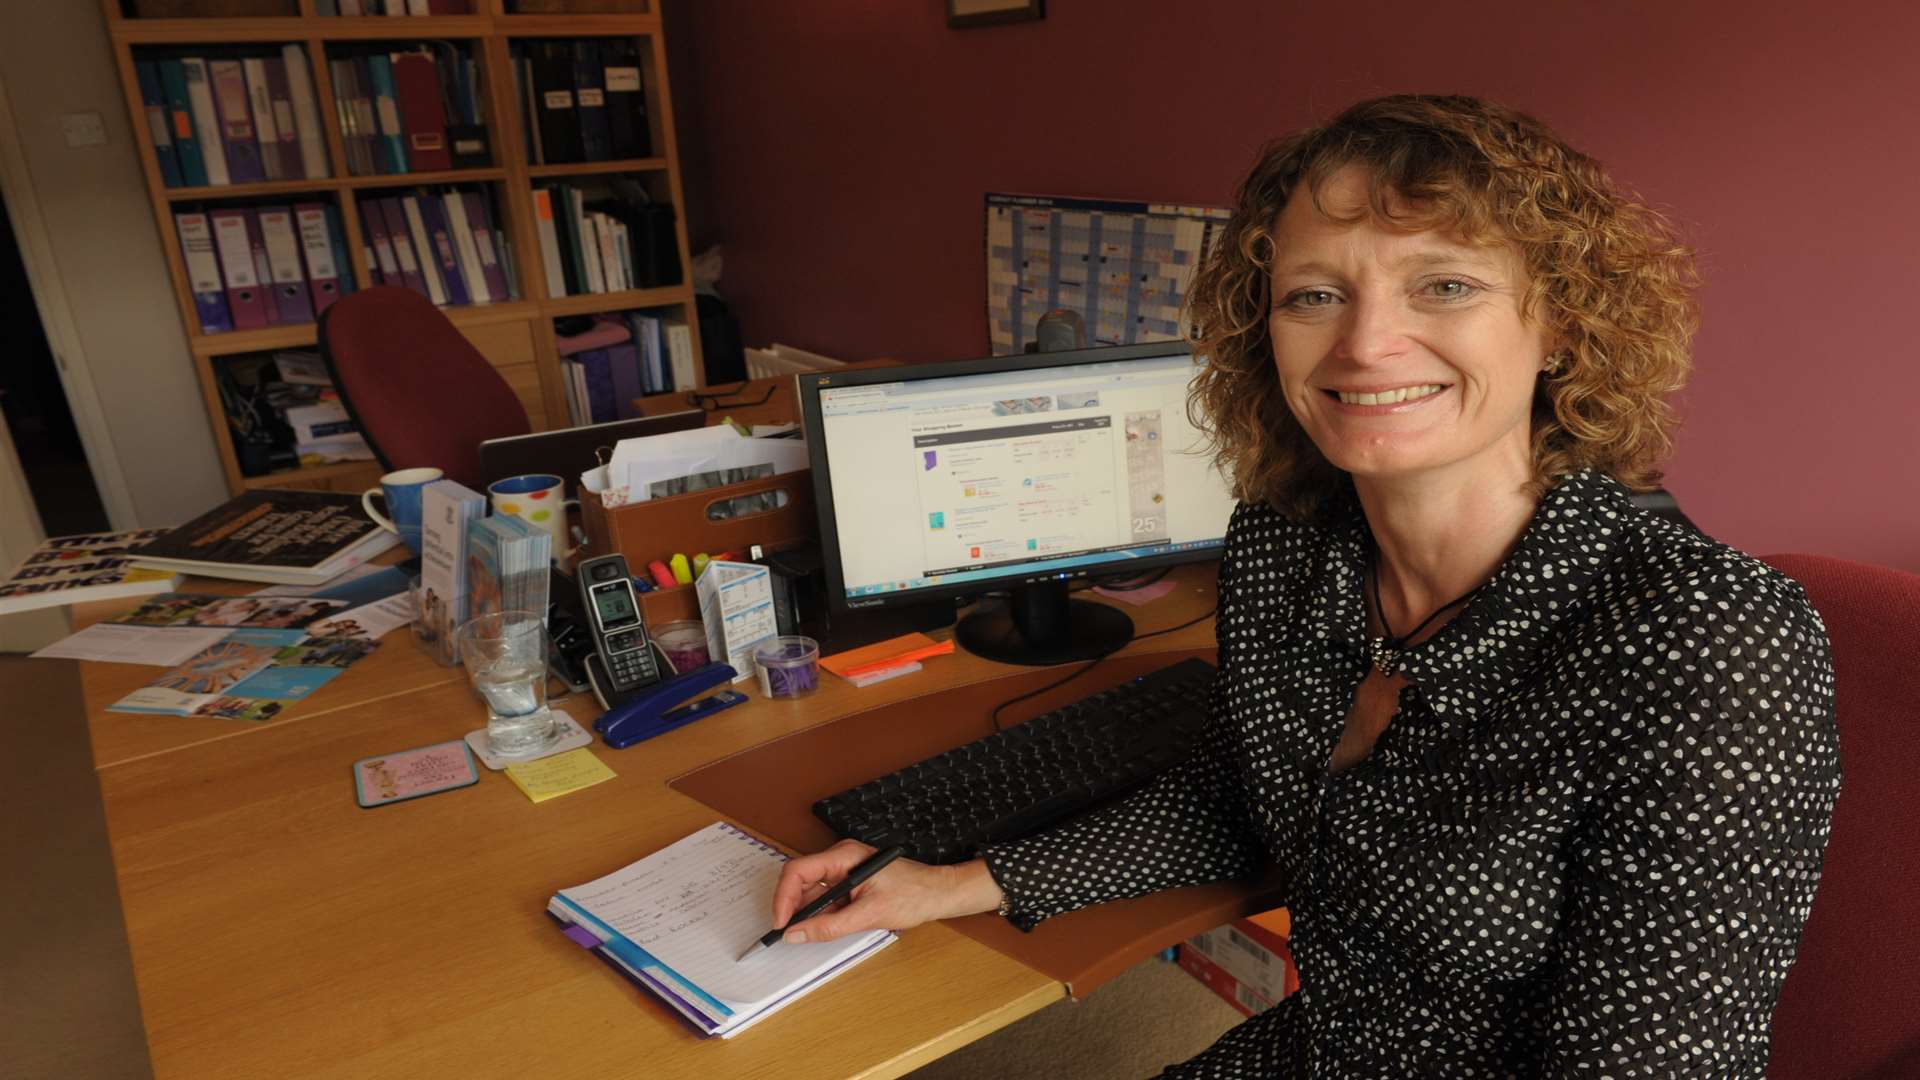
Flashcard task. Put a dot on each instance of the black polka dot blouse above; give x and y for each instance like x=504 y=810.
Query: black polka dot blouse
x=1584 y=846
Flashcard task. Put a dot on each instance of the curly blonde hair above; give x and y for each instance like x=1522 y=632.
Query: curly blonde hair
x=1608 y=276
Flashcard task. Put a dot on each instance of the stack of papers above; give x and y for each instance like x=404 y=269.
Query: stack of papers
x=281 y=537
x=506 y=566
x=778 y=359
x=676 y=921
x=269 y=655
x=72 y=569
x=658 y=466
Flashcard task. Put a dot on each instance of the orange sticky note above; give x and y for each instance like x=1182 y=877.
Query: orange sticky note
x=877 y=653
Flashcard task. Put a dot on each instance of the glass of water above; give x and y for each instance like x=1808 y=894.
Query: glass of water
x=505 y=654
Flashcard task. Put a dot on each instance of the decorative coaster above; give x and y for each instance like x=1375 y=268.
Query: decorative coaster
x=411 y=774
x=567 y=735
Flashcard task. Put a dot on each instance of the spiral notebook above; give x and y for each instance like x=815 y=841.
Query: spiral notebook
x=676 y=921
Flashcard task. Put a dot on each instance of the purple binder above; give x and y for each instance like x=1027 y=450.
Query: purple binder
x=203 y=271
x=433 y=215
x=230 y=100
x=482 y=225
x=290 y=296
x=262 y=270
x=402 y=240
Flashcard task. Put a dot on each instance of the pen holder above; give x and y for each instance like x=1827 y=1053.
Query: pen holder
x=708 y=521
x=684 y=641
x=789 y=666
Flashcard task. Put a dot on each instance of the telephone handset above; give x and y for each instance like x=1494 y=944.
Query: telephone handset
x=623 y=658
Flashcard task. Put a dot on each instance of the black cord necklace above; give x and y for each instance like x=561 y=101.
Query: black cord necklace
x=1385 y=650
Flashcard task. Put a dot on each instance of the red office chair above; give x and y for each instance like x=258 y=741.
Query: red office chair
x=1850 y=1009
x=420 y=392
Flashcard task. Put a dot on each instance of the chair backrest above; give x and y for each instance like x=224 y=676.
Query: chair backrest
x=1850 y=1009
x=421 y=393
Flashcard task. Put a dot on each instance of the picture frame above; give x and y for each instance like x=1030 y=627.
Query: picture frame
x=963 y=14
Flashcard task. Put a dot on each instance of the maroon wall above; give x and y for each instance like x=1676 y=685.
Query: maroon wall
x=839 y=150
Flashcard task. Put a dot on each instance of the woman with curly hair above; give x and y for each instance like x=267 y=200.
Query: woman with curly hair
x=1547 y=779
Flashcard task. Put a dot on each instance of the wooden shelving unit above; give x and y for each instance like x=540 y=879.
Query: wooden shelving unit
x=516 y=336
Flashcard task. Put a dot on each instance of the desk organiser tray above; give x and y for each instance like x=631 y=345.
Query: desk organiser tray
x=700 y=521
x=762 y=789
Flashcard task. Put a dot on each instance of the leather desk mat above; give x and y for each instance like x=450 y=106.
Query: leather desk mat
x=771 y=789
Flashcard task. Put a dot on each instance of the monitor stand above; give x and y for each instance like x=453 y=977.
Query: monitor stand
x=1040 y=625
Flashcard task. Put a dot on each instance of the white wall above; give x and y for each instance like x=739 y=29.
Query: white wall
x=104 y=249
x=21 y=631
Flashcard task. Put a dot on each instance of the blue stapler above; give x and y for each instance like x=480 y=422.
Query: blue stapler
x=657 y=709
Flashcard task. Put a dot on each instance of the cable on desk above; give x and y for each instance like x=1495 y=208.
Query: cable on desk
x=1118 y=583
x=994 y=717
x=567 y=691
x=1109 y=582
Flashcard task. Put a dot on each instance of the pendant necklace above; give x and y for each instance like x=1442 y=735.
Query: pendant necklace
x=1385 y=650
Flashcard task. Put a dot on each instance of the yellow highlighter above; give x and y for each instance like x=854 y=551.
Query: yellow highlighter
x=681 y=573
x=700 y=562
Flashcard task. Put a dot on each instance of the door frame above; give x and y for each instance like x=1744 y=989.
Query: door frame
x=35 y=628
x=57 y=321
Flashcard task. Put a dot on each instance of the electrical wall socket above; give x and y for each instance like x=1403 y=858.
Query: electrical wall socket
x=84 y=129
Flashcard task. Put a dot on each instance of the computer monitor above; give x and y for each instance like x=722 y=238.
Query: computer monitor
x=1019 y=473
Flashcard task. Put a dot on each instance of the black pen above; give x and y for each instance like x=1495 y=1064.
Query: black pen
x=872 y=865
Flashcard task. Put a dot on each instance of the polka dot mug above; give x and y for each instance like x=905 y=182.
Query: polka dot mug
x=538 y=499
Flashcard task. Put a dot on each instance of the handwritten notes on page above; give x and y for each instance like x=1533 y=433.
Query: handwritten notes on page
x=697 y=905
x=561 y=774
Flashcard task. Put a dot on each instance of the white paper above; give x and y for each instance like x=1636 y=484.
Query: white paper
x=697 y=905
x=341 y=578
x=373 y=621
x=161 y=646
x=638 y=463
x=778 y=359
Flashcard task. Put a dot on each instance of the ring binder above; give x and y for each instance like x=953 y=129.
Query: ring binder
x=689 y=962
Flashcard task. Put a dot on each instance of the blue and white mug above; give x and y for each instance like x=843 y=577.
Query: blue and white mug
x=400 y=490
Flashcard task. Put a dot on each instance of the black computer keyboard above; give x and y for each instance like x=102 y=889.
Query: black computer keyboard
x=1017 y=782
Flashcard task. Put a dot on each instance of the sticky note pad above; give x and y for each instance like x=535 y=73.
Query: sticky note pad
x=841 y=663
x=551 y=777
x=409 y=774
x=868 y=678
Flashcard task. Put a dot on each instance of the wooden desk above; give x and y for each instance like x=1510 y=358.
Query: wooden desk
x=277 y=929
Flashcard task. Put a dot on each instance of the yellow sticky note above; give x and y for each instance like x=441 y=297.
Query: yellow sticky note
x=558 y=775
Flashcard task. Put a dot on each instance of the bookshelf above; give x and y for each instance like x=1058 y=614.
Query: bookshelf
x=516 y=335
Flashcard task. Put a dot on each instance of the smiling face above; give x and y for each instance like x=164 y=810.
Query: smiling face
x=1402 y=354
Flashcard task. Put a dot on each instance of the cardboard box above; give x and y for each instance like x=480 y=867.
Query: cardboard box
x=1229 y=988
x=1253 y=954
x=1278 y=921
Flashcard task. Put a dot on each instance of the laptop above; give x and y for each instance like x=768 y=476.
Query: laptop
x=568 y=452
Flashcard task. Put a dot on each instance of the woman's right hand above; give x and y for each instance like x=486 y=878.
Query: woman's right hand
x=905 y=894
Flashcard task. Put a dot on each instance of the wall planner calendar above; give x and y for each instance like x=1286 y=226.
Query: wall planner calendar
x=1125 y=266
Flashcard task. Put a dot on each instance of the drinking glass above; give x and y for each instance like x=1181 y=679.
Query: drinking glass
x=505 y=654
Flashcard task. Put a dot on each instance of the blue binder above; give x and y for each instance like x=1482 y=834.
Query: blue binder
x=433 y=215
x=158 y=120
x=342 y=256
x=186 y=148
x=386 y=107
